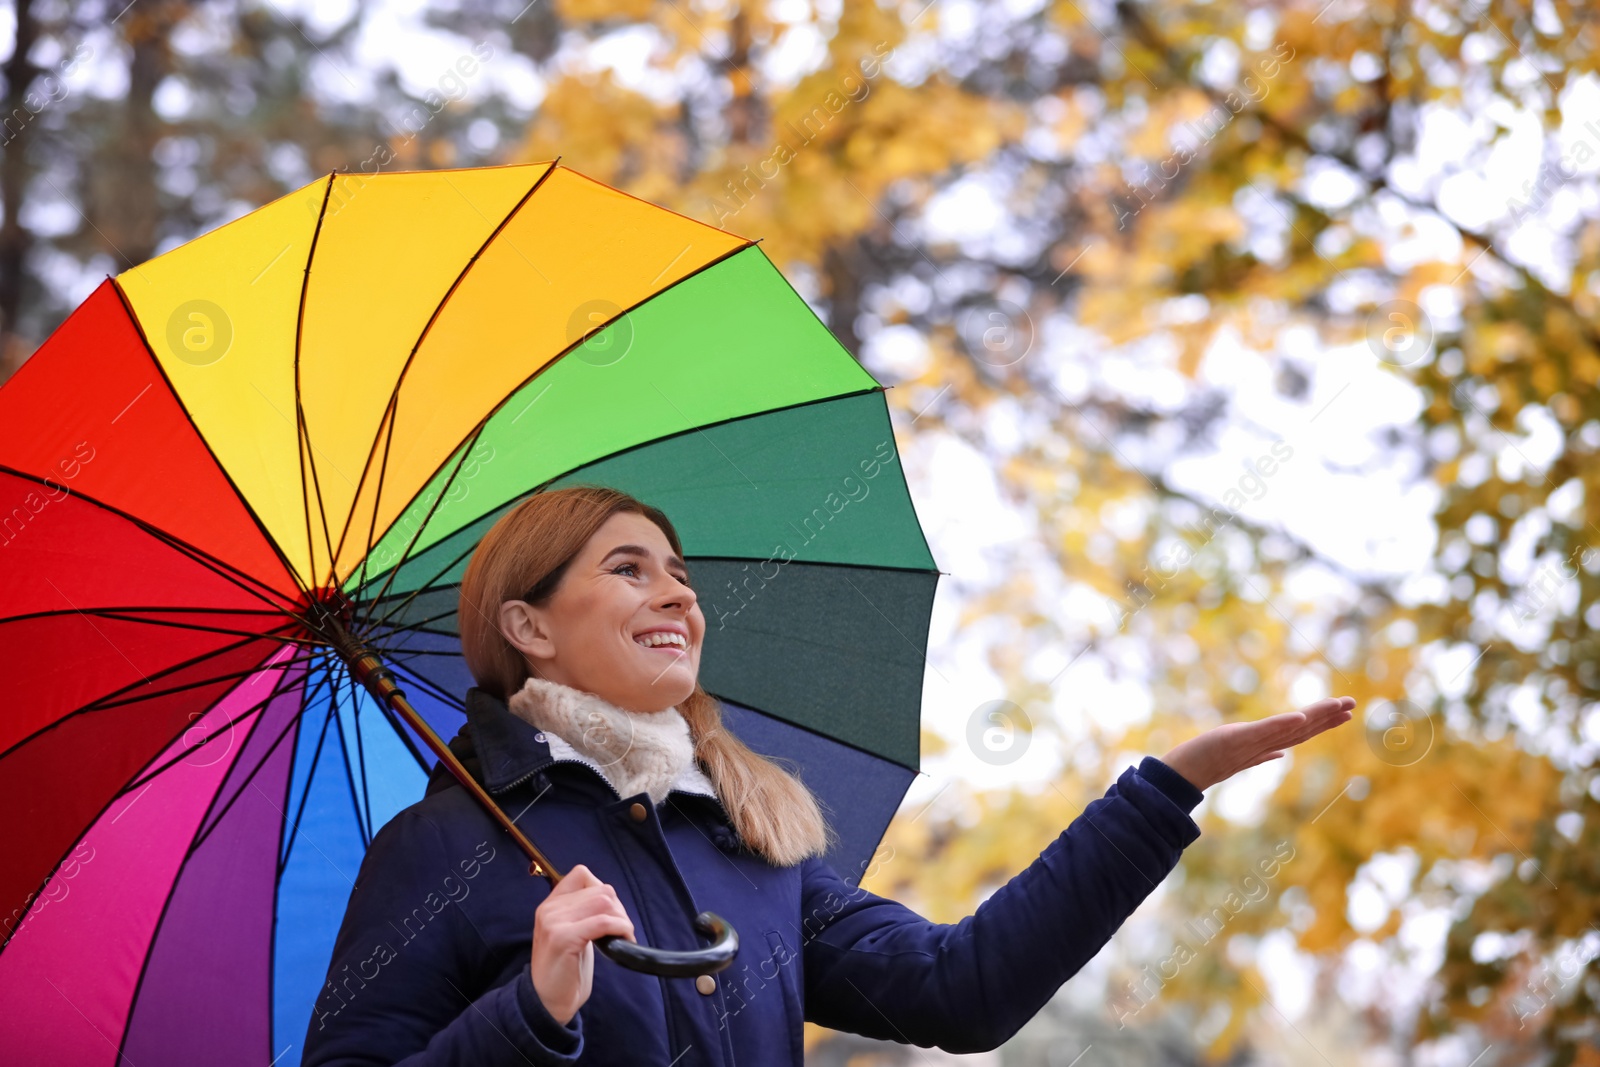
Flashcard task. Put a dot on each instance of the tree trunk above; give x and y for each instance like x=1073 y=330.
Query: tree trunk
x=15 y=170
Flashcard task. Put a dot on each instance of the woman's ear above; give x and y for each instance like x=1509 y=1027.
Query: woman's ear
x=524 y=626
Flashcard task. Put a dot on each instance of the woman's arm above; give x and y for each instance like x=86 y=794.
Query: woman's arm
x=391 y=1001
x=875 y=967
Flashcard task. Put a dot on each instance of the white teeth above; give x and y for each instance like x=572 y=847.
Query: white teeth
x=659 y=638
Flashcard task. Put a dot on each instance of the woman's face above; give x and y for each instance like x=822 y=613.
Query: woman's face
x=623 y=623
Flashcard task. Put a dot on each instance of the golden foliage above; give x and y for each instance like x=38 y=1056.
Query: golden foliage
x=1175 y=222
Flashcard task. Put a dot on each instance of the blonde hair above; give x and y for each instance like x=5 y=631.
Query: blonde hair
x=523 y=557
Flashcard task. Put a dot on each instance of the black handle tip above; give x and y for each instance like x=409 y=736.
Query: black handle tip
x=672 y=964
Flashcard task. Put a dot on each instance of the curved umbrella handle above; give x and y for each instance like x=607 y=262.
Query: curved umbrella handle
x=672 y=964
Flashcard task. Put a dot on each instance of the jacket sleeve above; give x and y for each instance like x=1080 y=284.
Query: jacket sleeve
x=874 y=967
x=421 y=1002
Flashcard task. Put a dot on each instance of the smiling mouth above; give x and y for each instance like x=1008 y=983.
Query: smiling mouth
x=662 y=642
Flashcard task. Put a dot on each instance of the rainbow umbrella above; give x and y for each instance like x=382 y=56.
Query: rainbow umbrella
x=238 y=488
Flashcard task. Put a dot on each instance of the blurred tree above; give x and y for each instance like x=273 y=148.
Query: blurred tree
x=1163 y=170
x=130 y=128
x=1201 y=172
x=1071 y=209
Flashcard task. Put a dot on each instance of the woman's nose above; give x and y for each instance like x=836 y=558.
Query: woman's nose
x=676 y=594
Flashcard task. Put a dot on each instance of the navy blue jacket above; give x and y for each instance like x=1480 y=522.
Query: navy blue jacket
x=431 y=963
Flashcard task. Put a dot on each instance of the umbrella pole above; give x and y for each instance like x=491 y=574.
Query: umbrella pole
x=367 y=668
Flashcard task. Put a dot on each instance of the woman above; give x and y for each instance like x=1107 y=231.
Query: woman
x=588 y=725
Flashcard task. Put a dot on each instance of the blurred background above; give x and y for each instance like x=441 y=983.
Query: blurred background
x=1241 y=354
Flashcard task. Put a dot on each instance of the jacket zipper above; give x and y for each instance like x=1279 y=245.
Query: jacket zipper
x=512 y=785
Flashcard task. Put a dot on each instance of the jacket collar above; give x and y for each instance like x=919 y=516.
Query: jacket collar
x=509 y=750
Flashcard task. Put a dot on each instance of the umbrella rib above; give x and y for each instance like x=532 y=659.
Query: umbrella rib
x=172 y=890
x=426 y=587
x=394 y=634
x=416 y=533
x=420 y=682
x=390 y=414
x=410 y=661
x=301 y=439
x=88 y=825
x=223 y=570
x=293 y=831
x=405 y=738
x=271 y=635
x=366 y=783
x=398 y=724
x=282 y=634
x=167 y=609
x=277 y=690
x=313 y=693
x=433 y=690
x=316 y=484
x=420 y=624
x=483 y=422
x=406 y=654
x=818 y=563
x=255 y=771
x=266 y=535
x=364 y=807
x=108 y=700
x=391 y=411
x=424 y=651
x=388 y=621
x=830 y=738
x=394 y=571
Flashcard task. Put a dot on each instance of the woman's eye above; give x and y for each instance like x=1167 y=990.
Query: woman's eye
x=634 y=567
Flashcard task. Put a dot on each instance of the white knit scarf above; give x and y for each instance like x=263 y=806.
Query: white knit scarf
x=637 y=752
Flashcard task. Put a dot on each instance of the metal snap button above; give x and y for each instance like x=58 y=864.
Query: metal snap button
x=638 y=812
x=539 y=736
x=706 y=984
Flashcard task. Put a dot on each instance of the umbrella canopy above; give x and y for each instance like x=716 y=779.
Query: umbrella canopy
x=316 y=411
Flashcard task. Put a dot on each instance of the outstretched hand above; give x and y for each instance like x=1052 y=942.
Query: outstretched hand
x=1224 y=751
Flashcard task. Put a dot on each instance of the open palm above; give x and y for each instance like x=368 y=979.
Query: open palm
x=1224 y=751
